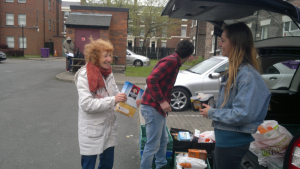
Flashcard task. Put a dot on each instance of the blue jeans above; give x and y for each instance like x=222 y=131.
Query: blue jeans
x=106 y=160
x=229 y=157
x=157 y=138
x=69 y=62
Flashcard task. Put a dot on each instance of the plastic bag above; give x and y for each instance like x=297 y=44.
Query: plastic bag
x=272 y=144
x=195 y=163
x=207 y=137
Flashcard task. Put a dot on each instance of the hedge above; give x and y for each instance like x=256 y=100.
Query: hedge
x=3 y=46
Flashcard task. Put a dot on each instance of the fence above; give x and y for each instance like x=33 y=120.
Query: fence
x=152 y=53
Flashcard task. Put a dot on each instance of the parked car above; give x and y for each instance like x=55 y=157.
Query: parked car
x=2 y=56
x=136 y=60
x=284 y=102
x=204 y=77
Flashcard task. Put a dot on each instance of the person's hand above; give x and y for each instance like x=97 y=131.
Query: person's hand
x=166 y=107
x=67 y=52
x=138 y=102
x=204 y=111
x=121 y=97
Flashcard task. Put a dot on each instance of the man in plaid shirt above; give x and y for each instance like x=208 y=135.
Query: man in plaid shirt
x=155 y=104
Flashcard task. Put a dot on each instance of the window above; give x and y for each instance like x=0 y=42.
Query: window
x=142 y=33
x=9 y=1
x=222 y=68
x=213 y=43
x=21 y=42
x=205 y=65
x=194 y=47
x=10 y=41
x=153 y=32
x=9 y=19
x=129 y=31
x=184 y=20
x=66 y=14
x=53 y=26
x=153 y=19
x=183 y=31
x=163 y=44
x=65 y=27
x=49 y=25
x=22 y=1
x=49 y=5
x=264 y=32
x=164 y=32
x=142 y=18
x=141 y=43
x=196 y=22
x=290 y=29
x=272 y=70
x=22 y=19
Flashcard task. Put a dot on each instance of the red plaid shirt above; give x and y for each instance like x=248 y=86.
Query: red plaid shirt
x=161 y=82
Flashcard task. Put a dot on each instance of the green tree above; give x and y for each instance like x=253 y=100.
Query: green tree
x=146 y=13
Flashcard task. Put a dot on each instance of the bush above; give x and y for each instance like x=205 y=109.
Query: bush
x=3 y=46
x=13 y=52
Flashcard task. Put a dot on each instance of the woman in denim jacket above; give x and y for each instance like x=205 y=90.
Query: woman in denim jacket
x=243 y=98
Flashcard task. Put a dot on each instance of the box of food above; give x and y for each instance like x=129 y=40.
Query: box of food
x=133 y=93
x=197 y=153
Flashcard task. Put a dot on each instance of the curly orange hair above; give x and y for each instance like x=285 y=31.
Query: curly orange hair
x=93 y=50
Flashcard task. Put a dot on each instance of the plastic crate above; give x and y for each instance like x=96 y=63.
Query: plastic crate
x=176 y=153
x=143 y=138
x=169 y=160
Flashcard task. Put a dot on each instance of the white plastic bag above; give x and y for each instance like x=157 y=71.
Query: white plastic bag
x=207 y=137
x=195 y=162
x=272 y=144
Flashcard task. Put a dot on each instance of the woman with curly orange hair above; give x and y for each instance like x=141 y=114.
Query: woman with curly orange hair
x=98 y=95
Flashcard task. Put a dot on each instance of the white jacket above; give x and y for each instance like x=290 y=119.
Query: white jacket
x=97 y=125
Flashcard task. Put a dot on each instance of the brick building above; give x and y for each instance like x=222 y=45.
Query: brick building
x=165 y=37
x=262 y=24
x=107 y=23
x=42 y=20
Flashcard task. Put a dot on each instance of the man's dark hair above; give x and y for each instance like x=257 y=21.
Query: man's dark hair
x=184 y=49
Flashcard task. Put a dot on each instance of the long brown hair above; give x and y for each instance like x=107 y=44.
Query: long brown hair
x=242 y=50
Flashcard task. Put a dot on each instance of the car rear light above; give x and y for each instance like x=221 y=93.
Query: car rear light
x=294 y=150
x=296 y=156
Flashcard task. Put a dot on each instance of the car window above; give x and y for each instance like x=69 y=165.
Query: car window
x=205 y=65
x=130 y=52
x=272 y=70
x=222 y=68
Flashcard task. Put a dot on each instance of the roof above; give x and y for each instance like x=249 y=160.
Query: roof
x=89 y=19
x=99 y=8
x=68 y=3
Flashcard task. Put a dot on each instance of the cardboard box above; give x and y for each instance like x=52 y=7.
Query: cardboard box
x=197 y=153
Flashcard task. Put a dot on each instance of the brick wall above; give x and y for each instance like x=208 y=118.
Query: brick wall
x=34 y=30
x=116 y=34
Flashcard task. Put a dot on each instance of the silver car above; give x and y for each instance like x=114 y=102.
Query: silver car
x=205 y=77
x=2 y=56
x=136 y=60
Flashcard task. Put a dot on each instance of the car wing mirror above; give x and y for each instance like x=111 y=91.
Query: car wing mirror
x=214 y=75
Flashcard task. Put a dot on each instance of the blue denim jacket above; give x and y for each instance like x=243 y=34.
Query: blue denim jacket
x=247 y=104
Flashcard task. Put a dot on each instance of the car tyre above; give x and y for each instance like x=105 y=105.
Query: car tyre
x=138 y=63
x=180 y=99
